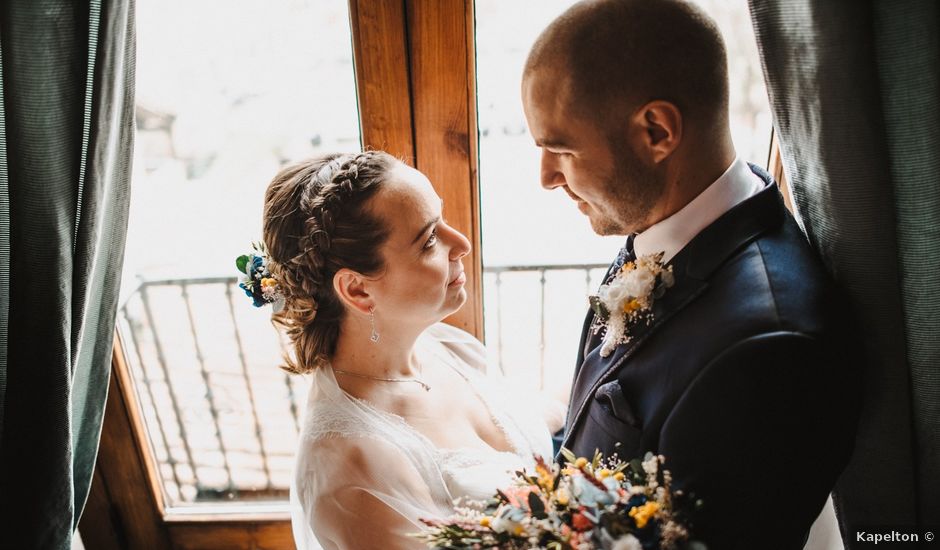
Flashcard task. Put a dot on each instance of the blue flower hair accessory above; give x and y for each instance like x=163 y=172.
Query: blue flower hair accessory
x=259 y=284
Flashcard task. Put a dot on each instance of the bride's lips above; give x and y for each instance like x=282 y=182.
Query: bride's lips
x=458 y=280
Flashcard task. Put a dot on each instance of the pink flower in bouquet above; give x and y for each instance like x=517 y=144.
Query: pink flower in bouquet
x=518 y=495
x=580 y=522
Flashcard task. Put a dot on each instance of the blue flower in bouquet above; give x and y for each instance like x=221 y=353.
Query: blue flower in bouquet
x=590 y=494
x=637 y=500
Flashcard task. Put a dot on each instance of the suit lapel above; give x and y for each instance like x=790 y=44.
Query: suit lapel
x=596 y=369
x=692 y=267
x=587 y=340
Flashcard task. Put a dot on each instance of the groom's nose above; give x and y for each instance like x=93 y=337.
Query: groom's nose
x=551 y=176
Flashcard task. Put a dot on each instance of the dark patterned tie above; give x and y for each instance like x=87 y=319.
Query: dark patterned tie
x=626 y=254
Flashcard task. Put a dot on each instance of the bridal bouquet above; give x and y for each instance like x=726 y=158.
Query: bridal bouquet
x=586 y=505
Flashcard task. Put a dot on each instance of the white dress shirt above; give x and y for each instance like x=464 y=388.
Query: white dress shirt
x=673 y=233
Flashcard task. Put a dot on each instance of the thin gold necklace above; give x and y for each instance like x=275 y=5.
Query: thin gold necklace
x=360 y=375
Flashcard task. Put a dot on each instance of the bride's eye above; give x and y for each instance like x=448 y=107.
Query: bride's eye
x=432 y=240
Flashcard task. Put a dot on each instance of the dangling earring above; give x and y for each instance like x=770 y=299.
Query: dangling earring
x=375 y=335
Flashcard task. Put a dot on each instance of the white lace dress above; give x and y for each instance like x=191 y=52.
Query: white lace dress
x=363 y=477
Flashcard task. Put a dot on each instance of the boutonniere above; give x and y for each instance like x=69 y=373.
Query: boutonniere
x=628 y=298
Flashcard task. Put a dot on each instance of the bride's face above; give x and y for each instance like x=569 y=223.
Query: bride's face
x=423 y=280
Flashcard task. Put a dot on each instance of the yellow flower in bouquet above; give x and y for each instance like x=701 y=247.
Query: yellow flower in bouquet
x=642 y=514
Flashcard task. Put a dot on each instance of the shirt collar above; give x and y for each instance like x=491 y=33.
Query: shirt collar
x=670 y=235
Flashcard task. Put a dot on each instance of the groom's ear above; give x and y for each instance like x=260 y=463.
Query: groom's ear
x=660 y=124
x=351 y=289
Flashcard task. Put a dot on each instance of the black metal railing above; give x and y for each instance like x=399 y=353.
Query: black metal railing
x=223 y=420
x=493 y=282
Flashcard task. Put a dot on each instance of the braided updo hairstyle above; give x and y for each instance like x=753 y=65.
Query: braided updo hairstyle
x=316 y=223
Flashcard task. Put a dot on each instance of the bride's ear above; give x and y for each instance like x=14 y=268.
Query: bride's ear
x=351 y=289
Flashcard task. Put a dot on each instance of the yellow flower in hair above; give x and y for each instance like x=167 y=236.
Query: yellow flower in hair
x=268 y=281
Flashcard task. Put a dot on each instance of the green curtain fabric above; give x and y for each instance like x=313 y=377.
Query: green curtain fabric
x=66 y=139
x=855 y=91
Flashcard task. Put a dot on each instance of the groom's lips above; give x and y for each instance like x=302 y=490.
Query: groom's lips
x=582 y=205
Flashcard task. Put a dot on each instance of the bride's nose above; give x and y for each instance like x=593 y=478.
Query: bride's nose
x=459 y=245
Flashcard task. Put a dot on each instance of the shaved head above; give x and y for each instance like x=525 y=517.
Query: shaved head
x=615 y=55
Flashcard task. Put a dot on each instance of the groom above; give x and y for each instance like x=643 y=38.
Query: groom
x=744 y=377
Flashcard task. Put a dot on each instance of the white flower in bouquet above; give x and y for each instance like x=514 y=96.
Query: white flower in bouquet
x=508 y=521
x=627 y=542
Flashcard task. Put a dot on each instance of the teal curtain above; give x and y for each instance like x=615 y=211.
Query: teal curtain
x=66 y=139
x=855 y=91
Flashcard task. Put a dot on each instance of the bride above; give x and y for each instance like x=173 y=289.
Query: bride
x=402 y=416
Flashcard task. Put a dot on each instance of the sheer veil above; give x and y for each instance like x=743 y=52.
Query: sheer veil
x=363 y=477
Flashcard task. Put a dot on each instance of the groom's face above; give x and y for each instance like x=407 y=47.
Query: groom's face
x=588 y=157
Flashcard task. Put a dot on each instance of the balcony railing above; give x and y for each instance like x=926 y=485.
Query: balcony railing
x=223 y=420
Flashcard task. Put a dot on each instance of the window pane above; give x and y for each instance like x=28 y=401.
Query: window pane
x=540 y=263
x=227 y=91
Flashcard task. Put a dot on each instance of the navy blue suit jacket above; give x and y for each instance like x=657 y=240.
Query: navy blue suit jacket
x=745 y=380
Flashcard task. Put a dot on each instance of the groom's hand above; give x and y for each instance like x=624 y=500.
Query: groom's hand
x=761 y=436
